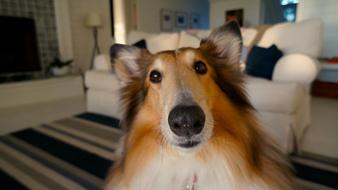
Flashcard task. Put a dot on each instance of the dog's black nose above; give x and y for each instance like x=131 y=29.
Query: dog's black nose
x=186 y=120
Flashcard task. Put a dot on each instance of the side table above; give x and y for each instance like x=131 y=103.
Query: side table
x=326 y=84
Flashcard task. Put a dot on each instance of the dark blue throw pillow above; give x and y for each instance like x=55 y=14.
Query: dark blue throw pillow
x=262 y=61
x=141 y=44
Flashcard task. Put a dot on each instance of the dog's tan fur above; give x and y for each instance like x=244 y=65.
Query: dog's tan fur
x=236 y=137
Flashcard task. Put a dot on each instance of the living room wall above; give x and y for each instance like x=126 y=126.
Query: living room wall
x=148 y=12
x=82 y=37
x=148 y=17
x=328 y=11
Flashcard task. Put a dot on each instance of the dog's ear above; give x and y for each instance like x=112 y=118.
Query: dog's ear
x=126 y=61
x=224 y=42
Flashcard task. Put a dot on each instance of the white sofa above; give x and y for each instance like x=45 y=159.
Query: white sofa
x=283 y=104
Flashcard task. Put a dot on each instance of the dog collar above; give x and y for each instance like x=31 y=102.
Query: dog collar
x=191 y=185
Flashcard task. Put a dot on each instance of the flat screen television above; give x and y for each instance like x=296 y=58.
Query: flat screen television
x=18 y=46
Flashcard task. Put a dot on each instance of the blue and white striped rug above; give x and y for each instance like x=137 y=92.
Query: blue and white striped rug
x=76 y=153
x=72 y=153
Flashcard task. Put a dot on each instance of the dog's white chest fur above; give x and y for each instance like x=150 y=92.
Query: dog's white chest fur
x=177 y=173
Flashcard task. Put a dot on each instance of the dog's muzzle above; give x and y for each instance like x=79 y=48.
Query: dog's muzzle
x=186 y=122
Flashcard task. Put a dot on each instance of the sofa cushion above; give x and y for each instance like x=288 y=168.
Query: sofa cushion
x=200 y=34
x=162 y=42
x=188 y=40
x=248 y=36
x=140 y=44
x=275 y=97
x=261 y=61
x=135 y=36
x=302 y=37
x=102 y=80
x=194 y=36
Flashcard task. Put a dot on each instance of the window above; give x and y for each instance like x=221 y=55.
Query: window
x=289 y=9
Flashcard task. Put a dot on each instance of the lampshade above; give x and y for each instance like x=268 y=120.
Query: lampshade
x=93 y=20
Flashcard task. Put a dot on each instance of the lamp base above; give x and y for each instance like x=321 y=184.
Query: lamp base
x=96 y=50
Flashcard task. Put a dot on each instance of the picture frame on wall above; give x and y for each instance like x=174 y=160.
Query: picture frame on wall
x=195 y=21
x=167 y=19
x=181 y=19
x=236 y=14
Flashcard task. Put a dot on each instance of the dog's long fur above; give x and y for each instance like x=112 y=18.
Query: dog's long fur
x=234 y=152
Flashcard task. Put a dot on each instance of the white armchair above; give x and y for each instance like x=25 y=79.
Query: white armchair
x=283 y=104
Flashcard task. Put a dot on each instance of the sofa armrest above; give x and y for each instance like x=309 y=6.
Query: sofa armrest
x=296 y=68
x=102 y=63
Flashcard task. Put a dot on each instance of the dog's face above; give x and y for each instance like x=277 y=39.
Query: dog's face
x=181 y=87
x=178 y=83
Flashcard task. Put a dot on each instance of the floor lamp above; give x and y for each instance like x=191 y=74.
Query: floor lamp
x=93 y=21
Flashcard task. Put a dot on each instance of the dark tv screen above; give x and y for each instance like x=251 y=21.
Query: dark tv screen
x=18 y=45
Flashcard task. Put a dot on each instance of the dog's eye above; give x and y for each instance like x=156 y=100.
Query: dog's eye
x=155 y=76
x=200 y=67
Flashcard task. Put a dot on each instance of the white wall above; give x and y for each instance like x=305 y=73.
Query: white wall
x=82 y=37
x=327 y=10
x=219 y=7
x=148 y=12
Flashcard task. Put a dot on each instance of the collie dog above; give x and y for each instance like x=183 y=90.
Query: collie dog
x=189 y=124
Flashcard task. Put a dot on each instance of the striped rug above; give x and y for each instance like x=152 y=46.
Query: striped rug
x=76 y=153
x=72 y=153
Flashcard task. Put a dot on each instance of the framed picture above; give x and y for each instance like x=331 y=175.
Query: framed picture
x=195 y=20
x=234 y=15
x=166 y=20
x=111 y=4
x=181 y=19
